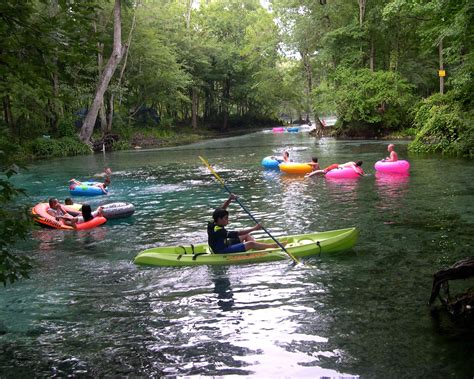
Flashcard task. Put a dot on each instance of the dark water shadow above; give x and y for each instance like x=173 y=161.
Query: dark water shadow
x=223 y=288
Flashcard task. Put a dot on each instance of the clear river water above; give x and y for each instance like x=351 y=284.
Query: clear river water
x=88 y=311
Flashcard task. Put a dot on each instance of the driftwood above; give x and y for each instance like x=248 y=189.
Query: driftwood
x=462 y=304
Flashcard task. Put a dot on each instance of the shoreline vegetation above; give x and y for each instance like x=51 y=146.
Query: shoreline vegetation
x=48 y=147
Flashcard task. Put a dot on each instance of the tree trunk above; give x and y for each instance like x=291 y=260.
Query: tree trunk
x=372 y=54
x=361 y=22
x=104 y=80
x=189 y=7
x=53 y=103
x=361 y=12
x=309 y=83
x=441 y=67
x=194 y=90
x=225 y=104
x=194 y=107
x=122 y=72
x=7 y=114
x=100 y=65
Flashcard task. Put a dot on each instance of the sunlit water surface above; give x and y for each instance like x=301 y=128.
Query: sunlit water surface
x=88 y=310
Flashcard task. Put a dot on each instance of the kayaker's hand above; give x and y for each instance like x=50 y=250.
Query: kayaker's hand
x=232 y=196
x=258 y=227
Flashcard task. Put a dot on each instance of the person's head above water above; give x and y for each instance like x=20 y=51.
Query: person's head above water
x=53 y=202
x=86 y=212
x=219 y=214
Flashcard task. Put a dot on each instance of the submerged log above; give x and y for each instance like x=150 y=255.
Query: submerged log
x=460 y=305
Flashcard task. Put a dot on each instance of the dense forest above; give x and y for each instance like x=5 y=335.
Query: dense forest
x=72 y=72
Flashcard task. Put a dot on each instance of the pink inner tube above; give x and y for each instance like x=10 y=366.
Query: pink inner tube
x=397 y=167
x=278 y=130
x=342 y=173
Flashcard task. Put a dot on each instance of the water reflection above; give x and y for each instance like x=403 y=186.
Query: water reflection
x=342 y=190
x=391 y=187
x=224 y=291
x=48 y=238
x=52 y=239
x=222 y=287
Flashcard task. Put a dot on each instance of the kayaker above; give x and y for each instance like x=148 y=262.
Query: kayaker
x=286 y=157
x=393 y=154
x=354 y=165
x=222 y=241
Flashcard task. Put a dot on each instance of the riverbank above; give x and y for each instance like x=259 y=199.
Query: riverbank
x=185 y=136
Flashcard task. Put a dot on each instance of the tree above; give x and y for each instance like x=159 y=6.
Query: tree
x=14 y=221
x=104 y=79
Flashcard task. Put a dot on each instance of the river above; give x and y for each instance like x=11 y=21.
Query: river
x=87 y=310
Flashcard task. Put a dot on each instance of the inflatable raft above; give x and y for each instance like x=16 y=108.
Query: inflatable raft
x=397 y=167
x=87 y=189
x=42 y=217
x=301 y=245
x=295 y=168
x=278 y=130
x=117 y=210
x=293 y=129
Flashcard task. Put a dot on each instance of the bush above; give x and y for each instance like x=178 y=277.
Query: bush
x=365 y=100
x=61 y=147
x=15 y=222
x=443 y=127
x=121 y=145
x=66 y=127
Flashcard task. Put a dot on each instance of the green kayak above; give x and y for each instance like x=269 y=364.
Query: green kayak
x=301 y=245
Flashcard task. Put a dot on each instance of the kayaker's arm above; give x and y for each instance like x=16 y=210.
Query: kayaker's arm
x=228 y=201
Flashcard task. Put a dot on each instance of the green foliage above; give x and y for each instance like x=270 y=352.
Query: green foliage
x=380 y=99
x=237 y=62
x=443 y=127
x=61 y=147
x=15 y=222
x=66 y=127
x=121 y=145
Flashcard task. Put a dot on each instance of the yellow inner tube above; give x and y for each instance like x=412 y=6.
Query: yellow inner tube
x=295 y=168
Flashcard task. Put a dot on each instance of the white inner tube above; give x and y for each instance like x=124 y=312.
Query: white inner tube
x=117 y=210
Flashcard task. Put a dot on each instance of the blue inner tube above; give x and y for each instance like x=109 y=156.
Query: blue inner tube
x=271 y=162
x=86 y=189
